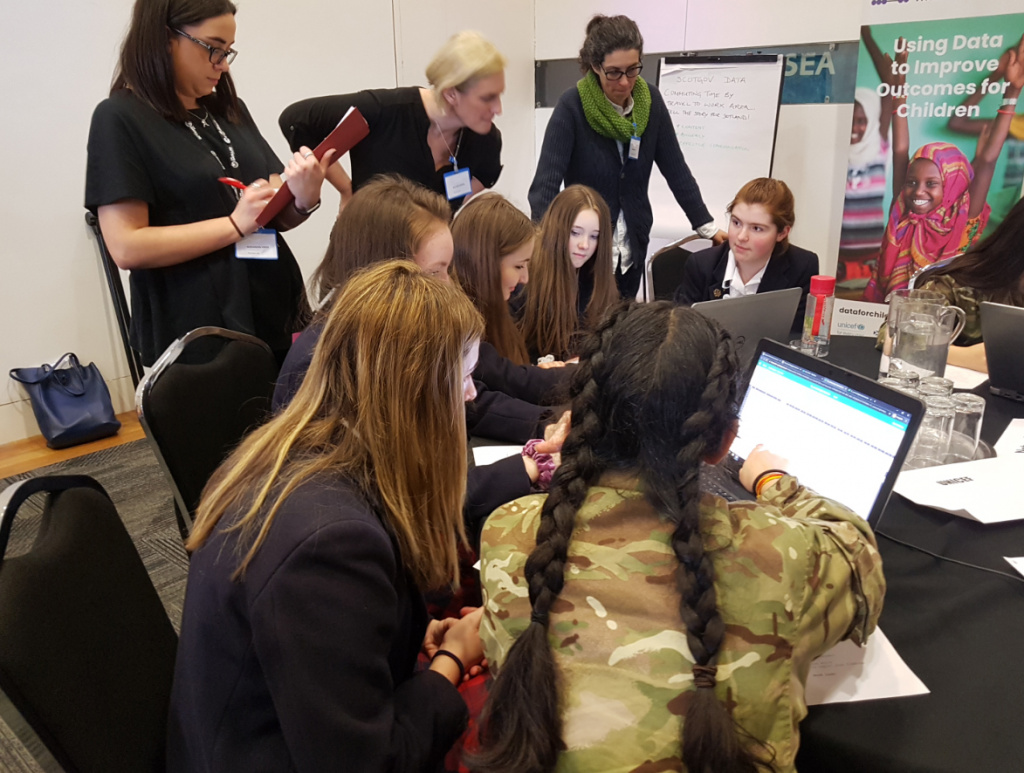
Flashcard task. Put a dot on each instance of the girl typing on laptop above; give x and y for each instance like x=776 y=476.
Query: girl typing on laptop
x=630 y=618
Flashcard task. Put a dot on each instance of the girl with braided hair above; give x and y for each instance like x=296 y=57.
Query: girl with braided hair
x=636 y=624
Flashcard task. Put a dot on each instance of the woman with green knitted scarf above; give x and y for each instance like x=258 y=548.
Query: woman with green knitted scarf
x=607 y=133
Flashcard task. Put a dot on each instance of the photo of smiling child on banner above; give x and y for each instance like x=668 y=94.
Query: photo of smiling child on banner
x=939 y=194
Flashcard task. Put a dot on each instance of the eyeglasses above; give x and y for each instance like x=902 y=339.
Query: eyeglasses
x=614 y=75
x=217 y=55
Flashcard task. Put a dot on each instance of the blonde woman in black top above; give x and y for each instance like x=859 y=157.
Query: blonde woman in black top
x=423 y=134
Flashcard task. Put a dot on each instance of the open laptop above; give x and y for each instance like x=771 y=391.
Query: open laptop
x=753 y=317
x=844 y=436
x=1002 y=328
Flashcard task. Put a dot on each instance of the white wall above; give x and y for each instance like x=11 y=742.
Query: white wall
x=52 y=294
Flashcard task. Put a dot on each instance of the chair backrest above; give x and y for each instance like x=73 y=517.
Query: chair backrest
x=202 y=396
x=117 y=297
x=86 y=647
x=667 y=265
x=922 y=275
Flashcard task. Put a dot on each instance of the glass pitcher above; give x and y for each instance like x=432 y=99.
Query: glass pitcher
x=895 y=299
x=923 y=333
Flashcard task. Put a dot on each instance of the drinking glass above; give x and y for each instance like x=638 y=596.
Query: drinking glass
x=970 y=412
x=936 y=385
x=933 y=437
x=907 y=377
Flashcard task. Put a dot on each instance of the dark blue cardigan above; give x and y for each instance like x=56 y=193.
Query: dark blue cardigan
x=574 y=153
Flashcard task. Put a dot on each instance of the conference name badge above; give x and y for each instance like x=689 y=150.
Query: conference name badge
x=261 y=245
x=458 y=184
x=634 y=147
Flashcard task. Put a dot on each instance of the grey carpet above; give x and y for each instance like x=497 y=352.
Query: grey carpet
x=139 y=490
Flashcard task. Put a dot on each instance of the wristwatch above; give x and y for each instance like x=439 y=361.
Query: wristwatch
x=305 y=212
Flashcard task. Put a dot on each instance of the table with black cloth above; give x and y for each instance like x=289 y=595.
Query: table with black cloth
x=959 y=629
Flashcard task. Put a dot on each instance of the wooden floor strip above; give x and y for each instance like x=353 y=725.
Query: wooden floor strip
x=32 y=453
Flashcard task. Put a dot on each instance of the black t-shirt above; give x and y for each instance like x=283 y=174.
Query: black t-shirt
x=135 y=153
x=397 y=143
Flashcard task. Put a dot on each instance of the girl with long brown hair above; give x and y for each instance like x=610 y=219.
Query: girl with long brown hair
x=572 y=284
x=393 y=217
x=494 y=244
x=633 y=622
x=313 y=544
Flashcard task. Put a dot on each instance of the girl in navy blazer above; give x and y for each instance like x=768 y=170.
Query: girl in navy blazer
x=758 y=256
x=314 y=542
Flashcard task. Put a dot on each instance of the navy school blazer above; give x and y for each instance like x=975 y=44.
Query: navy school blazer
x=704 y=273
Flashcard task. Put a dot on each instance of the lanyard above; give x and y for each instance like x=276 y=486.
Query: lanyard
x=213 y=151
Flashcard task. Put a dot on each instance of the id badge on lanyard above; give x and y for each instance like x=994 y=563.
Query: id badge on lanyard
x=634 y=145
x=261 y=245
x=457 y=183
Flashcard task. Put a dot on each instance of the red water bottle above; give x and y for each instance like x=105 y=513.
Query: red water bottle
x=818 y=316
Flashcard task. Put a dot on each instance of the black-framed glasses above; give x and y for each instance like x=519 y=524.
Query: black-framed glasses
x=217 y=55
x=614 y=75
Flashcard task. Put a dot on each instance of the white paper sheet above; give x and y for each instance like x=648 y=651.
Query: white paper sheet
x=985 y=490
x=964 y=378
x=1016 y=563
x=490 y=454
x=848 y=673
x=1012 y=440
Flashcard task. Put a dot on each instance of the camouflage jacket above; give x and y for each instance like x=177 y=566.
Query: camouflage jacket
x=968 y=299
x=795 y=574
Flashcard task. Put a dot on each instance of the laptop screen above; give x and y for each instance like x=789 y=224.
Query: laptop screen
x=839 y=441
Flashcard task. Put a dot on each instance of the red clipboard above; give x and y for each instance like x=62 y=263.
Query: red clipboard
x=346 y=135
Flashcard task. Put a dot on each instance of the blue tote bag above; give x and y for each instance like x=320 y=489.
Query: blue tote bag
x=72 y=404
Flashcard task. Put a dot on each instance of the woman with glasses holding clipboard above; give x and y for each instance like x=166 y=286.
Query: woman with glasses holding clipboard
x=177 y=174
x=607 y=133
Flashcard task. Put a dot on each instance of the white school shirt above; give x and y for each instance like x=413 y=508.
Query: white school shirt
x=737 y=288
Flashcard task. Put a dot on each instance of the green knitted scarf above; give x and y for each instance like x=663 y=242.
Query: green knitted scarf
x=601 y=115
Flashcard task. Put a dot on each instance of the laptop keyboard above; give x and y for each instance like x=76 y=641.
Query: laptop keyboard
x=715 y=480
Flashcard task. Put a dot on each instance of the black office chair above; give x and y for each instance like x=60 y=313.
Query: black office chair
x=922 y=275
x=667 y=265
x=117 y=297
x=86 y=647
x=200 y=399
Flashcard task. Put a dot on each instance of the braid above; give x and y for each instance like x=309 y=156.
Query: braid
x=710 y=738
x=694 y=578
x=655 y=392
x=520 y=731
